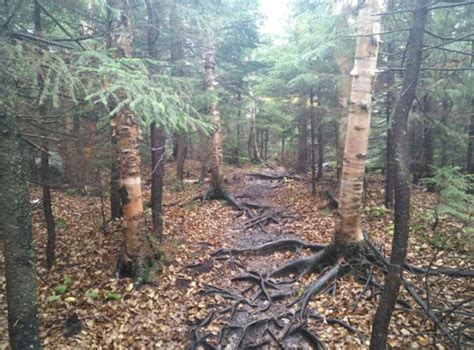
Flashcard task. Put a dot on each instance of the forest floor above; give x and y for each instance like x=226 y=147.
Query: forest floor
x=84 y=306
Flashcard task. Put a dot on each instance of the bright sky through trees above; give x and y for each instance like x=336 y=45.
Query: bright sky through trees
x=276 y=13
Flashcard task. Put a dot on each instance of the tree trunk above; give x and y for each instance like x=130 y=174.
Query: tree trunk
x=254 y=153
x=15 y=225
x=239 y=117
x=348 y=227
x=389 y=101
x=47 y=208
x=158 y=142
x=283 y=137
x=470 y=150
x=204 y=141
x=89 y=124
x=344 y=94
x=177 y=55
x=125 y=128
x=217 y=187
x=402 y=181
x=320 y=112
x=302 y=158
x=442 y=136
x=180 y=156
x=265 y=145
x=115 y=201
x=427 y=166
x=157 y=134
x=45 y=170
x=313 y=145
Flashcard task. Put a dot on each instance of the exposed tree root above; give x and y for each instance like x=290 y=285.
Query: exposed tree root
x=271 y=247
x=275 y=176
x=255 y=318
x=261 y=326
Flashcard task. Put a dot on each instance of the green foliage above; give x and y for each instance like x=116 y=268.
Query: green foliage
x=112 y=296
x=64 y=286
x=130 y=83
x=455 y=188
x=53 y=298
x=376 y=211
x=61 y=223
x=93 y=294
x=178 y=186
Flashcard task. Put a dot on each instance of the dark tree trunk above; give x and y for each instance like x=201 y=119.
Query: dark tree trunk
x=402 y=183
x=313 y=145
x=15 y=225
x=158 y=142
x=320 y=114
x=260 y=133
x=427 y=138
x=389 y=101
x=470 y=150
x=265 y=155
x=177 y=55
x=47 y=208
x=283 y=137
x=302 y=157
x=237 y=146
x=180 y=157
x=442 y=136
x=157 y=135
x=45 y=171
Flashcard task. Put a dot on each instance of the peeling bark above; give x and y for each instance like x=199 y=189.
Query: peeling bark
x=348 y=228
x=125 y=129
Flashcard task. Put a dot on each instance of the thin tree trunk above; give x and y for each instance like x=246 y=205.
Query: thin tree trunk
x=320 y=112
x=15 y=224
x=470 y=148
x=389 y=101
x=217 y=186
x=158 y=142
x=402 y=182
x=45 y=170
x=157 y=134
x=442 y=136
x=348 y=226
x=283 y=137
x=239 y=117
x=90 y=128
x=47 y=208
x=254 y=153
x=180 y=157
x=302 y=158
x=313 y=145
x=427 y=166
x=470 y=151
x=265 y=157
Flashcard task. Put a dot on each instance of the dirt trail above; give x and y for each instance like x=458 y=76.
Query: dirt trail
x=252 y=319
